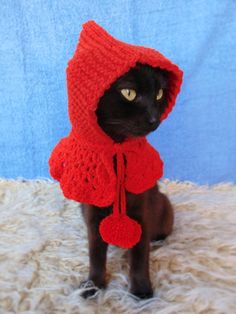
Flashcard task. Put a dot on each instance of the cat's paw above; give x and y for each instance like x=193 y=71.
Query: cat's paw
x=142 y=289
x=89 y=289
x=143 y=294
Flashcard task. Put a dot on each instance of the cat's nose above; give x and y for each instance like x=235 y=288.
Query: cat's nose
x=152 y=120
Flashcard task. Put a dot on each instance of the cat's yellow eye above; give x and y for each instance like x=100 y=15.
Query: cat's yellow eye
x=129 y=94
x=159 y=94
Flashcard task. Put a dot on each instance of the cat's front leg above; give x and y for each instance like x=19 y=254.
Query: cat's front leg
x=97 y=253
x=139 y=254
x=139 y=268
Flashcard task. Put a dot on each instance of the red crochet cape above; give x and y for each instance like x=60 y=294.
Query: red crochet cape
x=83 y=161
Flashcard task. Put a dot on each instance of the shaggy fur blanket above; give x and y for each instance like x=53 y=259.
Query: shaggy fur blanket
x=44 y=255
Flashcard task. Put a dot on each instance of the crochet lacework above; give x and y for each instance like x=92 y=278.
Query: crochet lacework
x=86 y=172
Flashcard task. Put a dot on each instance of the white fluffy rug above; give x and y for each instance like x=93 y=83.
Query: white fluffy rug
x=43 y=254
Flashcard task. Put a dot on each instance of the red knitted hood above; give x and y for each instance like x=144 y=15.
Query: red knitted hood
x=83 y=161
x=98 y=61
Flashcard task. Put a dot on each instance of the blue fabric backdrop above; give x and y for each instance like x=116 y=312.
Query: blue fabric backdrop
x=37 y=37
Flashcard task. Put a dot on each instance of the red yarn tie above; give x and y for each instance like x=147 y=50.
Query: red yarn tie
x=120 y=200
x=117 y=228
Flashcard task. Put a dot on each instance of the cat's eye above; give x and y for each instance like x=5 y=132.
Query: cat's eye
x=159 y=94
x=129 y=94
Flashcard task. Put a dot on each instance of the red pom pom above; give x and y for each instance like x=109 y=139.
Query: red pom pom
x=121 y=231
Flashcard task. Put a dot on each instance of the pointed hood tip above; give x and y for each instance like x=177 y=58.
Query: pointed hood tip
x=89 y=22
x=92 y=25
x=92 y=32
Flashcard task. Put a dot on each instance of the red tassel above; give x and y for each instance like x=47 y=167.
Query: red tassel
x=117 y=228
x=121 y=231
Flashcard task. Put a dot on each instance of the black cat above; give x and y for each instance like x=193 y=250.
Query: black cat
x=131 y=107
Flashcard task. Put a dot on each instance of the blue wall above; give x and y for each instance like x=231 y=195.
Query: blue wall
x=197 y=141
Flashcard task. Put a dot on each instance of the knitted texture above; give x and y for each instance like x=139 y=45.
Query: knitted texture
x=83 y=161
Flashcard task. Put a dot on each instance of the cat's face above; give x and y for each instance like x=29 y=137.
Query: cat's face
x=134 y=103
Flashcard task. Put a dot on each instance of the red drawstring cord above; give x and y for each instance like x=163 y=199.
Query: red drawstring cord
x=119 y=206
